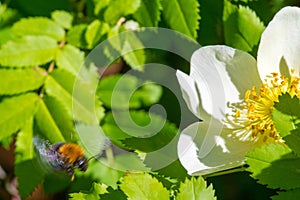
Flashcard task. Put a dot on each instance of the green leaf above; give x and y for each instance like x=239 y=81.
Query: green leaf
x=21 y=80
x=275 y=166
x=28 y=51
x=47 y=124
x=195 y=189
x=15 y=112
x=61 y=117
x=285 y=115
x=149 y=94
x=100 y=7
x=122 y=87
x=182 y=16
x=129 y=162
x=290 y=195
x=120 y=8
x=6 y=35
x=24 y=147
x=148 y=14
x=63 y=18
x=133 y=52
x=139 y=131
x=95 y=32
x=29 y=174
x=113 y=194
x=61 y=84
x=39 y=26
x=283 y=122
x=103 y=173
x=76 y=36
x=293 y=141
x=96 y=190
x=242 y=28
x=139 y=186
x=152 y=135
x=129 y=46
x=70 y=58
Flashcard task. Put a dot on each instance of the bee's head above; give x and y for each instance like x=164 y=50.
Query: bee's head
x=81 y=163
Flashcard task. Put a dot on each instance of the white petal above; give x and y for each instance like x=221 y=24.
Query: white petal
x=280 y=43
x=223 y=75
x=225 y=153
x=189 y=92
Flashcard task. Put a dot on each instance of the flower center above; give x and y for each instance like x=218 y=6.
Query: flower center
x=260 y=104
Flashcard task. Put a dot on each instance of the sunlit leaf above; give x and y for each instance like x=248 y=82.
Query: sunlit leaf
x=61 y=117
x=95 y=32
x=47 y=125
x=6 y=35
x=100 y=6
x=129 y=47
x=195 y=189
x=15 y=112
x=182 y=16
x=28 y=51
x=21 y=80
x=62 y=18
x=70 y=58
x=120 y=8
x=142 y=186
x=76 y=36
x=24 y=147
x=286 y=120
x=93 y=194
x=39 y=26
x=242 y=28
x=61 y=85
x=148 y=14
x=285 y=115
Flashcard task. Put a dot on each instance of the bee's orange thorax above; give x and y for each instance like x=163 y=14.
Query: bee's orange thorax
x=71 y=152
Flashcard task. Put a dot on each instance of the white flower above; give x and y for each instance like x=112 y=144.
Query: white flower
x=233 y=95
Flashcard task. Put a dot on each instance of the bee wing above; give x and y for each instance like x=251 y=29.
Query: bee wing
x=46 y=156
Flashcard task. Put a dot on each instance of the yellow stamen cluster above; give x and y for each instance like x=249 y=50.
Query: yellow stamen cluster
x=260 y=104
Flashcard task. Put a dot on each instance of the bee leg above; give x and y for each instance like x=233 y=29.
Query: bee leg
x=70 y=171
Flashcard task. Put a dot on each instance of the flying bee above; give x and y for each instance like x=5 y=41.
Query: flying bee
x=64 y=157
x=67 y=157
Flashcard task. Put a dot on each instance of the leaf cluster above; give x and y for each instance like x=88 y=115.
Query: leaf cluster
x=137 y=186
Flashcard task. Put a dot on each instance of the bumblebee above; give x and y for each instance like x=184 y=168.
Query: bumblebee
x=64 y=157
